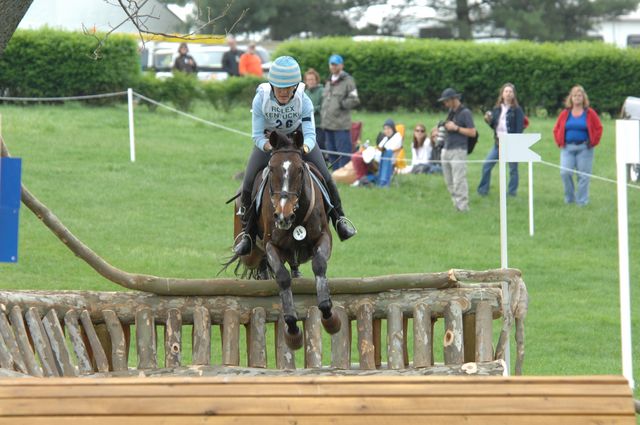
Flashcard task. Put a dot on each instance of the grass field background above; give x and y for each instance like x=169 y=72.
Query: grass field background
x=165 y=215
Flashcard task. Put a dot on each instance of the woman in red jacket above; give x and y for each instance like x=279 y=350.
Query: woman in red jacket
x=577 y=131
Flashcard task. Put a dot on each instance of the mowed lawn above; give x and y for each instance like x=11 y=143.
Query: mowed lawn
x=165 y=215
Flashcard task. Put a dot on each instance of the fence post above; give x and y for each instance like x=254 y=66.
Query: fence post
x=132 y=140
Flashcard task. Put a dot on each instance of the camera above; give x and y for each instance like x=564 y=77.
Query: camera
x=442 y=133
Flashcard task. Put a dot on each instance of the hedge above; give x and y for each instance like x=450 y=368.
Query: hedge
x=51 y=63
x=413 y=73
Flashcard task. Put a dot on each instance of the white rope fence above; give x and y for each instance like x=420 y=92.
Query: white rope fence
x=246 y=134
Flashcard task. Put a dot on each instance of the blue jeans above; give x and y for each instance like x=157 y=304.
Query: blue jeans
x=580 y=158
x=338 y=141
x=485 y=181
x=385 y=170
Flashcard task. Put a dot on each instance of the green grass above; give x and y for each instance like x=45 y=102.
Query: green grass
x=166 y=215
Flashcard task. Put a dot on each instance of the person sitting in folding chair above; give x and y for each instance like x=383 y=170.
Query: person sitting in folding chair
x=380 y=162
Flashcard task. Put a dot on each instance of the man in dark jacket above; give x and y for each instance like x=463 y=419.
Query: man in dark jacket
x=231 y=58
x=340 y=96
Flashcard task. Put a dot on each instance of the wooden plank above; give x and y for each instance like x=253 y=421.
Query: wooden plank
x=484 y=333
x=201 y=344
x=258 y=338
x=58 y=344
x=20 y=332
x=77 y=341
x=6 y=332
x=366 y=349
x=105 y=341
x=231 y=338
x=353 y=385
x=41 y=343
x=313 y=338
x=119 y=352
x=341 y=341
x=329 y=420
x=453 y=342
x=395 y=352
x=98 y=354
x=146 y=339
x=420 y=404
x=469 y=337
x=285 y=358
x=422 y=335
x=173 y=339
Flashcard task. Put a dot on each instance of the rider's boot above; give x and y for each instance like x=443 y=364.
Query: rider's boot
x=344 y=227
x=243 y=247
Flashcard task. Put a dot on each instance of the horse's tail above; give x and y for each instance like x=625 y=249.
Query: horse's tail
x=235 y=258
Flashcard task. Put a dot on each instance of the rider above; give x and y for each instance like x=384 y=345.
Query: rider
x=281 y=104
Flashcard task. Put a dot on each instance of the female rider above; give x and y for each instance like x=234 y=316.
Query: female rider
x=281 y=104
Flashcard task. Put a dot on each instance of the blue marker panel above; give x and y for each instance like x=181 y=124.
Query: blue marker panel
x=10 y=170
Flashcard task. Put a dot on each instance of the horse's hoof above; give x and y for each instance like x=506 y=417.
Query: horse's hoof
x=332 y=324
x=294 y=341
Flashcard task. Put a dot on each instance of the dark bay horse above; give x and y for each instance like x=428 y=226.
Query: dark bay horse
x=293 y=228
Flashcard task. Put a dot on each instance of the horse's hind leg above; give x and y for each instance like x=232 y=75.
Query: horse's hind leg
x=293 y=334
x=330 y=321
x=295 y=271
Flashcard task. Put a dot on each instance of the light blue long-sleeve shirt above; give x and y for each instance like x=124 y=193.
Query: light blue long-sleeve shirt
x=268 y=114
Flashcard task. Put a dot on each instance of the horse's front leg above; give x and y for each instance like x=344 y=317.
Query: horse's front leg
x=321 y=254
x=293 y=335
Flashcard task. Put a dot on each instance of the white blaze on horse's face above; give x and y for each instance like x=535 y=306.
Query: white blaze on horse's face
x=286 y=202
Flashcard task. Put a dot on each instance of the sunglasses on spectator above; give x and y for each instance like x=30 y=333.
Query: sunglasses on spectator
x=419 y=130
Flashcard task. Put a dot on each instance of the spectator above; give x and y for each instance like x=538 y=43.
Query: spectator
x=577 y=131
x=314 y=90
x=421 y=149
x=506 y=117
x=456 y=131
x=250 y=63
x=282 y=104
x=339 y=97
x=185 y=62
x=231 y=58
x=389 y=141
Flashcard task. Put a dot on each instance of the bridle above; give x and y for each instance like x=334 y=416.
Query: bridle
x=287 y=194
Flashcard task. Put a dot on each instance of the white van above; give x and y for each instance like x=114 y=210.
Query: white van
x=159 y=57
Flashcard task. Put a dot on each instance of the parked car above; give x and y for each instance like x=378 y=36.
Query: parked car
x=159 y=57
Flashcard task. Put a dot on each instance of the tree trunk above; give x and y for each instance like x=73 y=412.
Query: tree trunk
x=463 y=20
x=11 y=13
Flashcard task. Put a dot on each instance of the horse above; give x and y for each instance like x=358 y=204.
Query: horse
x=293 y=228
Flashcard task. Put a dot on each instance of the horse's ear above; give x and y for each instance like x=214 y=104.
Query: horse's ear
x=274 y=139
x=298 y=139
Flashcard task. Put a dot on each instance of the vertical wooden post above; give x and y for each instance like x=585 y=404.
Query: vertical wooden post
x=422 y=336
x=75 y=335
x=285 y=358
x=313 y=338
x=366 y=349
x=10 y=340
x=257 y=338
x=119 y=352
x=97 y=349
x=20 y=332
x=377 y=342
x=6 y=361
x=201 y=336
x=469 y=336
x=41 y=342
x=57 y=340
x=520 y=346
x=231 y=338
x=484 y=332
x=146 y=339
x=173 y=339
x=453 y=342
x=341 y=341
x=405 y=343
x=395 y=352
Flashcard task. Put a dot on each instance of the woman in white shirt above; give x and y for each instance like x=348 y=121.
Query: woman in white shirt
x=420 y=152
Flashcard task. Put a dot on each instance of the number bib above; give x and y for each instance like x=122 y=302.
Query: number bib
x=281 y=117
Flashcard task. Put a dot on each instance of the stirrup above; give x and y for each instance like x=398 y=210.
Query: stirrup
x=350 y=228
x=242 y=236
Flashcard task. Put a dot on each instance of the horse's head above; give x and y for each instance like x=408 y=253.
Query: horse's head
x=286 y=177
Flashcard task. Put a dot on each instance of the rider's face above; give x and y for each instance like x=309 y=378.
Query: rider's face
x=283 y=94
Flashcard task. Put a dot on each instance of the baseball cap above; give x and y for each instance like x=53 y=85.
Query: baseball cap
x=336 y=60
